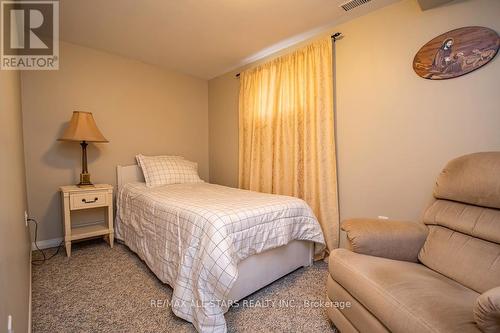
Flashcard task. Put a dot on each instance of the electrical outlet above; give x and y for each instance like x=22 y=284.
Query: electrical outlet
x=25 y=218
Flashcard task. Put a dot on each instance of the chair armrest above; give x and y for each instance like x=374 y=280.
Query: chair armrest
x=487 y=311
x=398 y=240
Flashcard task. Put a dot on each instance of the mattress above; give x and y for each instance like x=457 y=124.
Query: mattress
x=192 y=236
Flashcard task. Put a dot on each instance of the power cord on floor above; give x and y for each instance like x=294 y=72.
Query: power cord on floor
x=45 y=258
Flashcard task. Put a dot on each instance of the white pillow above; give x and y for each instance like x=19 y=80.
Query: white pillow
x=139 y=157
x=166 y=170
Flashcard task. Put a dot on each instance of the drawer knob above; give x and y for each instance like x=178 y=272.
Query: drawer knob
x=92 y=201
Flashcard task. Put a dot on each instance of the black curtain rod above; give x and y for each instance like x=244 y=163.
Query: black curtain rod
x=335 y=36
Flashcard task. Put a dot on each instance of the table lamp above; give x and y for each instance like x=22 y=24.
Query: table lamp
x=83 y=128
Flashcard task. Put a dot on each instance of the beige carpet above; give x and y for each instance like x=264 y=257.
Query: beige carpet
x=100 y=289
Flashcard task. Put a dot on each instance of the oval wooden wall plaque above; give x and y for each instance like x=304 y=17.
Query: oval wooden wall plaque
x=456 y=52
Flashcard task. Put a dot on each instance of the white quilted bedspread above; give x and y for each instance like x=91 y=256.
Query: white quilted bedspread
x=192 y=236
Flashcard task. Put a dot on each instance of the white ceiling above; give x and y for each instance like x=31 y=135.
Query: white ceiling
x=204 y=38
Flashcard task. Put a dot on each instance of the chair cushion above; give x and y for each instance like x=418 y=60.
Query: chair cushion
x=405 y=296
x=362 y=319
x=473 y=262
x=475 y=221
x=471 y=179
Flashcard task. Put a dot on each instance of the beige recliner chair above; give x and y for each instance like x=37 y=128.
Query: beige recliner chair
x=439 y=276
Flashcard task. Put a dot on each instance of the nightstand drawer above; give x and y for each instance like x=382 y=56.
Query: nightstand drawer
x=87 y=200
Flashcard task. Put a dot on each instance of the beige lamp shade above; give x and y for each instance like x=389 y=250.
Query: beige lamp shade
x=82 y=127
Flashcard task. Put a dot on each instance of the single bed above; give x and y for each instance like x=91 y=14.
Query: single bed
x=213 y=245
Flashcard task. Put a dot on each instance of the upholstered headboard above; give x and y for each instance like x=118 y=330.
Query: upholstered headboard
x=127 y=174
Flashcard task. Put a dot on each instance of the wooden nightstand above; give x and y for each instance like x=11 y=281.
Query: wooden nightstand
x=77 y=198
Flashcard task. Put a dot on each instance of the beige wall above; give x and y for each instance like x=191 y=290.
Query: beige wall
x=15 y=263
x=395 y=130
x=223 y=133
x=139 y=109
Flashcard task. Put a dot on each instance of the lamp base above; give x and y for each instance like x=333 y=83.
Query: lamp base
x=85 y=180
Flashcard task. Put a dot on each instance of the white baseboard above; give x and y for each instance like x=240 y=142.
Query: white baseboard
x=30 y=322
x=46 y=244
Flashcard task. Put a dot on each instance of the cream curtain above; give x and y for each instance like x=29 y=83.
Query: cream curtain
x=286 y=131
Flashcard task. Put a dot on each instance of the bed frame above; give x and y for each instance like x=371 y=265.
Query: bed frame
x=254 y=272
